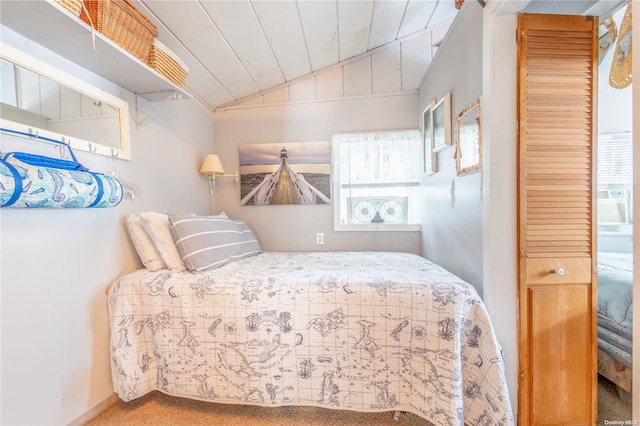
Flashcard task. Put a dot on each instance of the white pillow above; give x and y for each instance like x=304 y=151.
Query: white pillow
x=157 y=226
x=147 y=252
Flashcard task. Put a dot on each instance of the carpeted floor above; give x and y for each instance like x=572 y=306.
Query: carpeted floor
x=610 y=406
x=157 y=409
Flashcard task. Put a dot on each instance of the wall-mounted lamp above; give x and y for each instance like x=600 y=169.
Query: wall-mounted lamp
x=213 y=167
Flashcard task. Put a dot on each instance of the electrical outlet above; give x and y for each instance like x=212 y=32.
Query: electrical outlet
x=319 y=238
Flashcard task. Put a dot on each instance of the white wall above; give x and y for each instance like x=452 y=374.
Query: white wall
x=500 y=279
x=452 y=205
x=294 y=227
x=57 y=263
x=469 y=222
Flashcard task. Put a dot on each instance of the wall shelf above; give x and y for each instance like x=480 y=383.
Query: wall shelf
x=52 y=26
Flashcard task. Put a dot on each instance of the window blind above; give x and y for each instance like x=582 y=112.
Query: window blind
x=615 y=160
x=378 y=157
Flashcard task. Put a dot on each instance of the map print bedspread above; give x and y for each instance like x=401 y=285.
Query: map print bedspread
x=363 y=331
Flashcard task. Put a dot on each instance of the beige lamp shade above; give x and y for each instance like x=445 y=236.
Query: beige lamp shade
x=212 y=165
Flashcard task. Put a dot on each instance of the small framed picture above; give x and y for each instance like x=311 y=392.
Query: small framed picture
x=441 y=114
x=430 y=163
x=467 y=130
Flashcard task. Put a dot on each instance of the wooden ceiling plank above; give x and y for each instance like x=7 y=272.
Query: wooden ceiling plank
x=239 y=26
x=354 y=25
x=385 y=24
x=281 y=24
x=320 y=26
x=417 y=16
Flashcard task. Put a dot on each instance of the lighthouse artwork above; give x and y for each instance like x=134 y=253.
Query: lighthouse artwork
x=290 y=173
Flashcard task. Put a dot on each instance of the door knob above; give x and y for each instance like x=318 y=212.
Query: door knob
x=559 y=271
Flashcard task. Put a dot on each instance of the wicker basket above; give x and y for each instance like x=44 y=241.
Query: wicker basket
x=162 y=62
x=73 y=6
x=123 y=23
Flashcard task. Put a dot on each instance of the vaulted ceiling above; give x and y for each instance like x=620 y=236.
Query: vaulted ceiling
x=236 y=49
x=239 y=50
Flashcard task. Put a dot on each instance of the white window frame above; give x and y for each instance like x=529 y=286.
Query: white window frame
x=339 y=201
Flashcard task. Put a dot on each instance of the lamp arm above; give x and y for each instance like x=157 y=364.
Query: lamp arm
x=212 y=178
x=236 y=176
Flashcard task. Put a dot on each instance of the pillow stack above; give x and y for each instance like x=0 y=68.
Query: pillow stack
x=180 y=241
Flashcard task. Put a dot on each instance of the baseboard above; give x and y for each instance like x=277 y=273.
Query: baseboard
x=94 y=411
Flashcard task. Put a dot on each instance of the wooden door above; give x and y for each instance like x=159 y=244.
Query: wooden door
x=557 y=88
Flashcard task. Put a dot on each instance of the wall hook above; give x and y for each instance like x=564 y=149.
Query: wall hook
x=92 y=147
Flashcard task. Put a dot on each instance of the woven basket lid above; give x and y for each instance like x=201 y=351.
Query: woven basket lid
x=620 y=75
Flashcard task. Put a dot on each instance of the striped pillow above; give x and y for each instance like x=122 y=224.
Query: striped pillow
x=207 y=242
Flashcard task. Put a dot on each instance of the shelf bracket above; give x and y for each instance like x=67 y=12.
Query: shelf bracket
x=168 y=96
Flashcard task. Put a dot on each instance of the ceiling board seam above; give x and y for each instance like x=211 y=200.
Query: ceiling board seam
x=373 y=8
x=304 y=36
x=264 y=34
x=433 y=12
x=404 y=14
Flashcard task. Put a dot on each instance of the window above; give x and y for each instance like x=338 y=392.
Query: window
x=615 y=179
x=376 y=180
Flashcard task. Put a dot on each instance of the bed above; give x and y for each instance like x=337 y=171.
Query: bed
x=615 y=317
x=362 y=331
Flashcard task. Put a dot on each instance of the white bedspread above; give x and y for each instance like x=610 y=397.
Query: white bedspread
x=357 y=331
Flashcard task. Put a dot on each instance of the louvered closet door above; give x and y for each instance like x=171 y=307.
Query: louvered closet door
x=557 y=81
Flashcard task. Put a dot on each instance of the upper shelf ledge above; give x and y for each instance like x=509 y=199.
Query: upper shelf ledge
x=52 y=26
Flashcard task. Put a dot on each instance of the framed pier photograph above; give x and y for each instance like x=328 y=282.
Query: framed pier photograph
x=286 y=173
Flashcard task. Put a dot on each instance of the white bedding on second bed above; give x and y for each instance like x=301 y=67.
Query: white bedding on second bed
x=615 y=287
